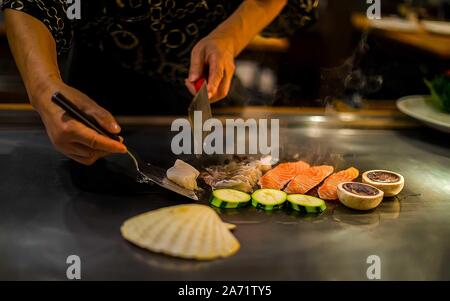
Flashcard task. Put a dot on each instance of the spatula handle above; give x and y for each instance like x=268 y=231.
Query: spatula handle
x=73 y=111
x=199 y=83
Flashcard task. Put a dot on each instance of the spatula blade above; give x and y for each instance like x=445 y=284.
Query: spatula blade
x=157 y=175
x=201 y=103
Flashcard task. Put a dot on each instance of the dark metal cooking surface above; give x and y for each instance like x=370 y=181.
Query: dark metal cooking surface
x=49 y=210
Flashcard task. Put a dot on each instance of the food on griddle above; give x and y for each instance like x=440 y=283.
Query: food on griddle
x=187 y=231
x=389 y=182
x=308 y=179
x=230 y=198
x=359 y=196
x=183 y=175
x=305 y=203
x=278 y=177
x=268 y=199
x=242 y=176
x=265 y=163
x=328 y=190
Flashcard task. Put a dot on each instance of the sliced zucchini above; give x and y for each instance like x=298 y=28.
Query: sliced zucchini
x=268 y=199
x=230 y=198
x=306 y=203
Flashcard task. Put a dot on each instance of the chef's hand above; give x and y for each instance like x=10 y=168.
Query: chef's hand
x=217 y=55
x=71 y=137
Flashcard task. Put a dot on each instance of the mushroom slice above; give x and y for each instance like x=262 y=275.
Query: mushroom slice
x=359 y=196
x=391 y=183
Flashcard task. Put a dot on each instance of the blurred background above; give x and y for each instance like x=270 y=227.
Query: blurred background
x=343 y=56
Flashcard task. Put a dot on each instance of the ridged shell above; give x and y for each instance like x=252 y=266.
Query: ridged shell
x=188 y=231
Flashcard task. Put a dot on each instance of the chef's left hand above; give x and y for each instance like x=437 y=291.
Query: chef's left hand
x=216 y=54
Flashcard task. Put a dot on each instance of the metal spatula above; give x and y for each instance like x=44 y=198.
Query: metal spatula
x=146 y=171
x=200 y=103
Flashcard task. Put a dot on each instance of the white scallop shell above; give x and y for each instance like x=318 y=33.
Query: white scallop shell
x=188 y=231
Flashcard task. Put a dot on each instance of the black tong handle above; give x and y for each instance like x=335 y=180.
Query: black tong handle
x=80 y=116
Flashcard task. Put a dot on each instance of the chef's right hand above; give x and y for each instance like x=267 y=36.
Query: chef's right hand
x=71 y=137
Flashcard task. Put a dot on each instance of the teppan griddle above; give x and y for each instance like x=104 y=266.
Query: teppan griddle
x=51 y=208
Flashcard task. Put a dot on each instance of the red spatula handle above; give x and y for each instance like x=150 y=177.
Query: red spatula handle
x=199 y=83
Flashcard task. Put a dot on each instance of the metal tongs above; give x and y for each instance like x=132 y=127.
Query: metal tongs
x=147 y=172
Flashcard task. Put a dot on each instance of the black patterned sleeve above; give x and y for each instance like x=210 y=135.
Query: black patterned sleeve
x=296 y=15
x=50 y=12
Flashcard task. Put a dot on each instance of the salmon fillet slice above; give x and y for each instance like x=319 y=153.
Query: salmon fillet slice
x=308 y=179
x=328 y=190
x=278 y=177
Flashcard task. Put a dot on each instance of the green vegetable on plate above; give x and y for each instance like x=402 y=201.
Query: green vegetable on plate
x=440 y=92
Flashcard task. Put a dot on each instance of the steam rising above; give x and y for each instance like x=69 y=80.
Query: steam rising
x=348 y=81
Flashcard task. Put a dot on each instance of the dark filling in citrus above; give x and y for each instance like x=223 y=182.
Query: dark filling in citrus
x=383 y=177
x=360 y=189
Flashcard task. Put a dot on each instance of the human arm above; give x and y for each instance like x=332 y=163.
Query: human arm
x=219 y=49
x=35 y=52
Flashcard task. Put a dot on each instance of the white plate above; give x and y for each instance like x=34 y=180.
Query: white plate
x=438 y=27
x=418 y=108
